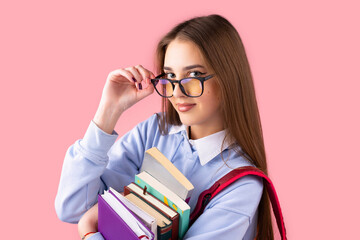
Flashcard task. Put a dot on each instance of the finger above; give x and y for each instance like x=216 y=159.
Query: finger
x=146 y=92
x=129 y=76
x=152 y=75
x=136 y=74
x=122 y=73
x=146 y=74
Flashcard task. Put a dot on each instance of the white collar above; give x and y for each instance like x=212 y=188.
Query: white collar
x=207 y=147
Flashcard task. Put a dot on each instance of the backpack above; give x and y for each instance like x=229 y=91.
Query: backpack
x=229 y=178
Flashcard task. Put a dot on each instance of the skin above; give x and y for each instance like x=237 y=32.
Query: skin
x=121 y=92
x=88 y=222
x=204 y=117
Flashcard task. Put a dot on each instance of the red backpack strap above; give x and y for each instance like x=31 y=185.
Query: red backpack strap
x=231 y=177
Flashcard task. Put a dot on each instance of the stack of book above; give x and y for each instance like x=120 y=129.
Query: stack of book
x=154 y=206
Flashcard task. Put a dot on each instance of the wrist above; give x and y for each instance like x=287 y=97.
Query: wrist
x=87 y=235
x=106 y=117
x=86 y=227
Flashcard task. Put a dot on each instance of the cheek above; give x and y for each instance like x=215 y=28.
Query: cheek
x=211 y=101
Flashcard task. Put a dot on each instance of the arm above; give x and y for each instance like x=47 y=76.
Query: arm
x=95 y=162
x=89 y=168
x=80 y=181
x=232 y=214
x=88 y=222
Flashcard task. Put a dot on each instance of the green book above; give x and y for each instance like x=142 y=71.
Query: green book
x=161 y=192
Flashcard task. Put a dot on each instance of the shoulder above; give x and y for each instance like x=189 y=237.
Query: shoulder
x=150 y=122
x=235 y=206
x=242 y=196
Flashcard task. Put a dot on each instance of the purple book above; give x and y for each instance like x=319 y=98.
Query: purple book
x=111 y=225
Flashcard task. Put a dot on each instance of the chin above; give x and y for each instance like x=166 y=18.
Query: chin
x=187 y=119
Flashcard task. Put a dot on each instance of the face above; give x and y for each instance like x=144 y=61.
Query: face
x=184 y=59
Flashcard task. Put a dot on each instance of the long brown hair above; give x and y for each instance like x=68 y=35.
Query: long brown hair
x=221 y=46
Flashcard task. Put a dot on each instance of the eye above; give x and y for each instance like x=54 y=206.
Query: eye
x=169 y=75
x=195 y=74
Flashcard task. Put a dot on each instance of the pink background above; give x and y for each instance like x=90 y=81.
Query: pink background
x=55 y=57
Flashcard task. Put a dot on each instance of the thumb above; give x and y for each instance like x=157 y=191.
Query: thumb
x=146 y=91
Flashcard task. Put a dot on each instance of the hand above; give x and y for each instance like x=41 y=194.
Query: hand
x=123 y=88
x=88 y=222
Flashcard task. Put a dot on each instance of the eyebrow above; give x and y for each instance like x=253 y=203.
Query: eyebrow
x=186 y=68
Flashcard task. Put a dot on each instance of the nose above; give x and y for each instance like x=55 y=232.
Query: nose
x=177 y=91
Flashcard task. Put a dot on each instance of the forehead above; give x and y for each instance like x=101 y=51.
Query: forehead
x=181 y=53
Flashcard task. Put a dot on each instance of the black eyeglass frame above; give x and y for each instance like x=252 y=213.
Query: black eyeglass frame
x=201 y=79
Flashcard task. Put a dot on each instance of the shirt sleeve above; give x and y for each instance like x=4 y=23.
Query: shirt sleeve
x=96 y=236
x=232 y=214
x=94 y=163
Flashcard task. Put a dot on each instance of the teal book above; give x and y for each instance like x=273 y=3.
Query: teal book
x=161 y=192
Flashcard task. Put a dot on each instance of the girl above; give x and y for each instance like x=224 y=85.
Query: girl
x=209 y=125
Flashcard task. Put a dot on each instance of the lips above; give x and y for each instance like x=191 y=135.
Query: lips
x=184 y=107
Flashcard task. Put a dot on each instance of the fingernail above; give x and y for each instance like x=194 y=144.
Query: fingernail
x=140 y=86
x=134 y=79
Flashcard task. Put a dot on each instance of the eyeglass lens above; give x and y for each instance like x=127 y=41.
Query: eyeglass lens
x=192 y=87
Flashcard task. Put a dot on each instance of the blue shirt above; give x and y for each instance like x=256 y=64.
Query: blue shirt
x=98 y=161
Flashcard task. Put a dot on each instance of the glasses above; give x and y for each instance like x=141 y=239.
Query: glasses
x=190 y=86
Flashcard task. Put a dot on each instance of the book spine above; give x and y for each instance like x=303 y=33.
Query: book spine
x=175 y=220
x=164 y=233
x=184 y=215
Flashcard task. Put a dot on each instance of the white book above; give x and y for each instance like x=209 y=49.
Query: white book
x=147 y=219
x=161 y=168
